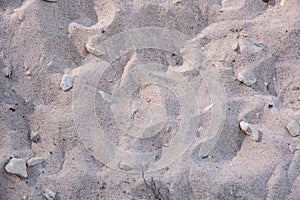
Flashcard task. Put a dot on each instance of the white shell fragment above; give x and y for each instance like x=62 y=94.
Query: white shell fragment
x=34 y=161
x=293 y=128
x=250 y=130
x=66 y=82
x=17 y=166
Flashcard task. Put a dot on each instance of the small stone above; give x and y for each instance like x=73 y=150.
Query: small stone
x=35 y=137
x=282 y=2
x=293 y=128
x=35 y=161
x=124 y=167
x=50 y=64
x=66 y=82
x=17 y=166
x=7 y=72
x=94 y=51
x=28 y=73
x=235 y=46
x=50 y=195
x=250 y=130
x=247 y=77
x=26 y=67
x=105 y=96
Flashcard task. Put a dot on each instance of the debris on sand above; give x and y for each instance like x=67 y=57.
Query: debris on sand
x=282 y=2
x=7 y=72
x=124 y=167
x=28 y=73
x=251 y=130
x=35 y=137
x=95 y=51
x=247 y=77
x=34 y=161
x=66 y=82
x=293 y=128
x=17 y=166
x=105 y=96
x=292 y=148
x=235 y=46
x=50 y=195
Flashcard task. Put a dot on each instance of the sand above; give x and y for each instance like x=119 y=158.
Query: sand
x=41 y=41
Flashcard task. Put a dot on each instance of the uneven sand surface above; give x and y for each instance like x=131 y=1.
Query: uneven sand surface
x=42 y=41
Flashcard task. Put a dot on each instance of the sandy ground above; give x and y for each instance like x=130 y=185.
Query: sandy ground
x=41 y=41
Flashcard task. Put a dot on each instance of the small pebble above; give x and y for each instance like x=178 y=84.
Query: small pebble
x=66 y=82
x=235 y=46
x=35 y=137
x=105 y=96
x=94 y=51
x=50 y=64
x=125 y=167
x=28 y=73
x=7 y=72
x=17 y=166
x=293 y=128
x=35 y=161
x=50 y=195
x=247 y=77
x=282 y=2
x=250 y=130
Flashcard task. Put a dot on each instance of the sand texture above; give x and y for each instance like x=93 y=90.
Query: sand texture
x=246 y=89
